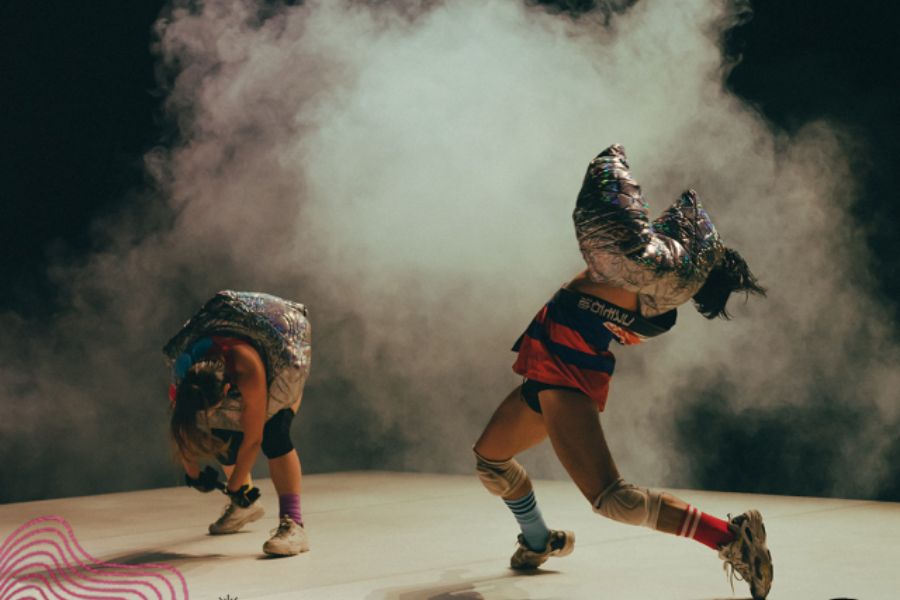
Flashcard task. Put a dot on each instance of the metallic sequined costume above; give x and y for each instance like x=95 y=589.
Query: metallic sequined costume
x=664 y=261
x=278 y=329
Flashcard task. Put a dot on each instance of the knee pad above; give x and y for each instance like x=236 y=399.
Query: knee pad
x=277 y=434
x=500 y=477
x=630 y=504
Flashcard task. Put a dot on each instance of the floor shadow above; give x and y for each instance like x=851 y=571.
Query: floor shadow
x=160 y=556
x=154 y=560
x=265 y=556
x=453 y=585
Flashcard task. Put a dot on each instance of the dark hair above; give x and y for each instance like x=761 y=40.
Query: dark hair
x=202 y=388
x=730 y=275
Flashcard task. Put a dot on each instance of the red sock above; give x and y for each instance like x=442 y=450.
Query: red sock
x=704 y=528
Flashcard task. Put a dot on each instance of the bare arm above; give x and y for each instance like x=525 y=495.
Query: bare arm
x=610 y=214
x=665 y=261
x=250 y=378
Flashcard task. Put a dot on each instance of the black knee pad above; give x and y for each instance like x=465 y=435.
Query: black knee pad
x=233 y=438
x=277 y=434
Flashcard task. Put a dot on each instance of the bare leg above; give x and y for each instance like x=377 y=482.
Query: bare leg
x=229 y=468
x=513 y=428
x=285 y=472
x=573 y=425
x=671 y=513
x=574 y=428
x=290 y=537
x=285 y=469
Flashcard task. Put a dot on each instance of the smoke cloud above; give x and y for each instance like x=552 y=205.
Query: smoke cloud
x=408 y=171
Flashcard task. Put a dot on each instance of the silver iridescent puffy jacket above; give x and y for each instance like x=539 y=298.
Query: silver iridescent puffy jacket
x=278 y=329
x=664 y=261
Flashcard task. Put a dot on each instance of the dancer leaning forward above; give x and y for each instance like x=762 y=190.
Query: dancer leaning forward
x=238 y=370
x=638 y=273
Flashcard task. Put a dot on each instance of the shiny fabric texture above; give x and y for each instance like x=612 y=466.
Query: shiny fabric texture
x=278 y=329
x=665 y=261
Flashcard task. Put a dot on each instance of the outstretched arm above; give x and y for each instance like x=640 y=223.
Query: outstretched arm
x=665 y=260
x=250 y=378
x=611 y=214
x=685 y=239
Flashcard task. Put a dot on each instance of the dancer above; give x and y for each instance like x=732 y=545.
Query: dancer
x=238 y=370
x=638 y=272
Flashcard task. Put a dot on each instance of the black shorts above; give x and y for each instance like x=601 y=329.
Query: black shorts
x=531 y=388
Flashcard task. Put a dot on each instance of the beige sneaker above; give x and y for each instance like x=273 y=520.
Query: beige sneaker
x=289 y=539
x=561 y=543
x=747 y=555
x=235 y=517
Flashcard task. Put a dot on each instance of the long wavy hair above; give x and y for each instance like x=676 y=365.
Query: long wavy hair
x=730 y=275
x=202 y=388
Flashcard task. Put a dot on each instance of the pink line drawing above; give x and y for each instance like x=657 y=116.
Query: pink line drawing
x=42 y=560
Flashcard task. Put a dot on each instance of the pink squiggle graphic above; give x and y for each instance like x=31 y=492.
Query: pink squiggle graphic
x=43 y=560
x=67 y=573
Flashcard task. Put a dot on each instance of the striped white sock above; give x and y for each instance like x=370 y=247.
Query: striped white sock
x=528 y=515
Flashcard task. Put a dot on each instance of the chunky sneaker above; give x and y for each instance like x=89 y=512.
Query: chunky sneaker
x=287 y=540
x=561 y=543
x=235 y=517
x=747 y=554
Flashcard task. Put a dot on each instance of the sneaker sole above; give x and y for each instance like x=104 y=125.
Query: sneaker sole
x=273 y=552
x=255 y=516
x=541 y=559
x=569 y=546
x=762 y=559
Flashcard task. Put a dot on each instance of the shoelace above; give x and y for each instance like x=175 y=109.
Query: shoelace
x=733 y=563
x=283 y=528
x=732 y=573
x=229 y=508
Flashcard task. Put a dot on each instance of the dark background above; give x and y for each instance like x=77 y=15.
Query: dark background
x=81 y=105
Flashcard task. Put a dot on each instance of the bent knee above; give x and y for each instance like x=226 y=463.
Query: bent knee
x=504 y=478
x=629 y=504
x=276 y=439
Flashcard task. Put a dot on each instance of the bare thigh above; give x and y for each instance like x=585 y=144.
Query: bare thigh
x=573 y=424
x=513 y=428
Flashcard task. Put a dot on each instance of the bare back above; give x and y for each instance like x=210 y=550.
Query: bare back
x=617 y=295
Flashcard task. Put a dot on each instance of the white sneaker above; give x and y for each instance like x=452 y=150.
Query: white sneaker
x=235 y=517
x=748 y=555
x=289 y=539
x=561 y=543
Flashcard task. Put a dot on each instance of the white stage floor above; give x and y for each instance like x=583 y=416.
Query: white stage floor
x=402 y=536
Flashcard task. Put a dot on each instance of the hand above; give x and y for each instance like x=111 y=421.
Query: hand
x=244 y=496
x=206 y=481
